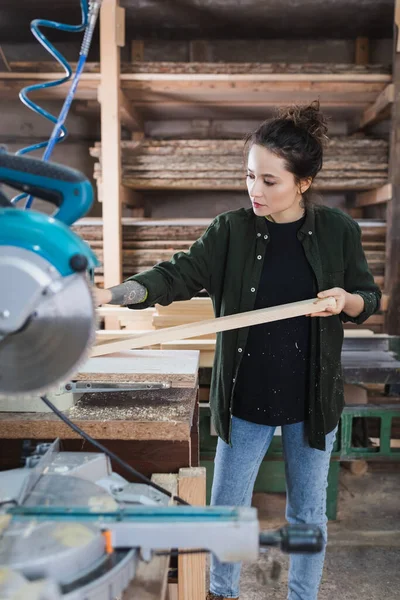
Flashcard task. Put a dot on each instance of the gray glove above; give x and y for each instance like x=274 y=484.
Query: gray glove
x=129 y=292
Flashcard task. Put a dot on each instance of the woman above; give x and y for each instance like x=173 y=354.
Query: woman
x=284 y=249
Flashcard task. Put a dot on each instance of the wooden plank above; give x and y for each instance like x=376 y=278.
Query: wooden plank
x=130 y=117
x=379 y=109
x=151 y=579
x=245 y=319
x=329 y=79
x=362 y=51
x=378 y=196
x=191 y=568
x=392 y=271
x=111 y=137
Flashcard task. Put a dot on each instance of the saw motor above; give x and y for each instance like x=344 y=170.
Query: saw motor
x=47 y=312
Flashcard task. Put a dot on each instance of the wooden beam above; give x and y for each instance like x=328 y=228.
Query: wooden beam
x=190 y=330
x=392 y=271
x=397 y=26
x=130 y=117
x=111 y=141
x=192 y=568
x=378 y=196
x=362 y=51
x=380 y=109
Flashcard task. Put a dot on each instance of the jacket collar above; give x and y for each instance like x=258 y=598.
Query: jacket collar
x=307 y=228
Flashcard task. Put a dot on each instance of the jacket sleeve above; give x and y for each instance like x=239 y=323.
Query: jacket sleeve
x=358 y=279
x=186 y=273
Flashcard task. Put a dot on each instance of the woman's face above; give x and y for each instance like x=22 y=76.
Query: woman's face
x=272 y=188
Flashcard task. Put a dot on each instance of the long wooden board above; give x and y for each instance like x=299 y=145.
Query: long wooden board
x=189 y=330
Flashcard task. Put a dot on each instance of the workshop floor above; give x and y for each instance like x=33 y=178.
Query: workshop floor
x=367 y=503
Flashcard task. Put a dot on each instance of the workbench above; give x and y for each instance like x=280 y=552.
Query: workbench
x=155 y=431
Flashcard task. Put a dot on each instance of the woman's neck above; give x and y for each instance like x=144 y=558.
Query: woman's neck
x=290 y=215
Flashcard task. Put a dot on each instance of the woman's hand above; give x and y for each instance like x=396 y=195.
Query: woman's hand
x=102 y=296
x=341 y=297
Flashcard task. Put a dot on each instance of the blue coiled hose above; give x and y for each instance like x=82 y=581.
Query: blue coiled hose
x=89 y=17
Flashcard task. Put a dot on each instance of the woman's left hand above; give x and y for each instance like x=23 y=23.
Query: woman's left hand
x=340 y=296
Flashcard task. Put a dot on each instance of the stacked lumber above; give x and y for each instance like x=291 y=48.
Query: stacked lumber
x=147 y=242
x=350 y=163
x=211 y=68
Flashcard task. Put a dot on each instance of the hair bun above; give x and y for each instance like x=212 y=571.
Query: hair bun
x=309 y=118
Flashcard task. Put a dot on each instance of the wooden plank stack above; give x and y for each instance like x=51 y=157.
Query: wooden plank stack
x=196 y=68
x=351 y=163
x=147 y=242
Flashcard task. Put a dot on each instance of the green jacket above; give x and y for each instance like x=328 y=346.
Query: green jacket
x=227 y=261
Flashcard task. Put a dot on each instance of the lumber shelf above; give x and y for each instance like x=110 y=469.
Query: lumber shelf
x=374 y=72
x=351 y=163
x=215 y=83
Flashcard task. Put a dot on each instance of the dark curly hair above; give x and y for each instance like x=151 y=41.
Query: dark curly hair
x=298 y=135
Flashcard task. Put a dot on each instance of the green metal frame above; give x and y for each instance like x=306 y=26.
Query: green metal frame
x=386 y=413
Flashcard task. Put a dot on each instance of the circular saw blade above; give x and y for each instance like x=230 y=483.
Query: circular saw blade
x=52 y=344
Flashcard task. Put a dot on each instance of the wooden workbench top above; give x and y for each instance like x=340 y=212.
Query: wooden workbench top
x=178 y=368
x=143 y=415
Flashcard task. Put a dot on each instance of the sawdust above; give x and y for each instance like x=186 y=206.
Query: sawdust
x=172 y=406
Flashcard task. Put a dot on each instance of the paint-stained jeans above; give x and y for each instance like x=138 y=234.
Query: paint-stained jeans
x=236 y=469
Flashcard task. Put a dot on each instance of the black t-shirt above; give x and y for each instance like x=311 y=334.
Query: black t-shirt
x=272 y=382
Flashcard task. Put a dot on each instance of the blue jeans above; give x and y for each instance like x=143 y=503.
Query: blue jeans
x=236 y=469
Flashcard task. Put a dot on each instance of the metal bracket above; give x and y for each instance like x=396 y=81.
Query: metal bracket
x=81 y=387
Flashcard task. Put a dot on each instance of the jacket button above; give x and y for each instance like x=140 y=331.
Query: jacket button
x=265 y=237
x=258 y=234
x=310 y=233
x=253 y=289
x=259 y=257
x=240 y=349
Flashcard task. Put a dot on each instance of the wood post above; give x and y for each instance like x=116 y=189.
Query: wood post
x=109 y=96
x=362 y=51
x=137 y=50
x=191 y=567
x=392 y=271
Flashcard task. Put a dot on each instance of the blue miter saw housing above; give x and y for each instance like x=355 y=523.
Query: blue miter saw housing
x=69 y=190
x=47 y=315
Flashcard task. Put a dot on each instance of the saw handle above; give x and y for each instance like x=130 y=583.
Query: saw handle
x=69 y=190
